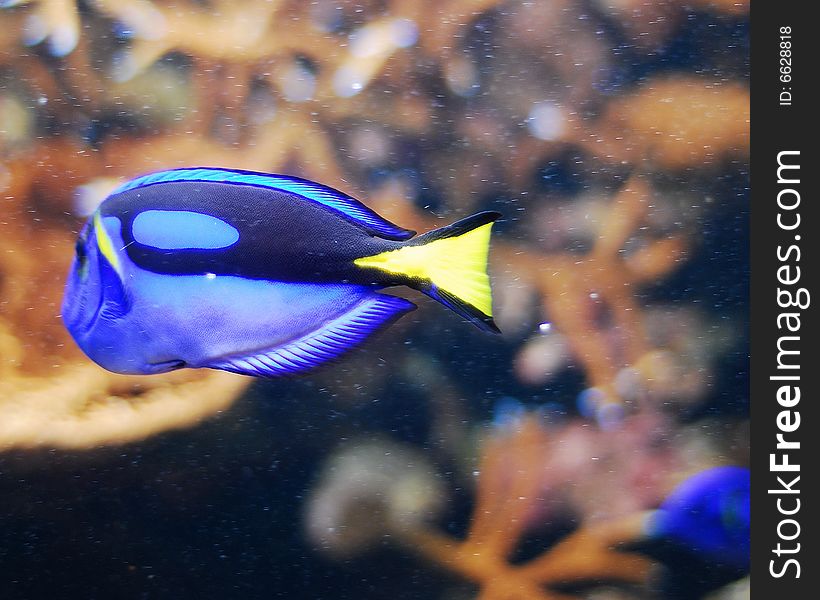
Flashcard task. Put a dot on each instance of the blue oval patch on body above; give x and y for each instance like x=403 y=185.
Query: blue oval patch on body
x=182 y=229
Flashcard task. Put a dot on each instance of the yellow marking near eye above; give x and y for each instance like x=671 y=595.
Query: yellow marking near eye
x=456 y=264
x=105 y=244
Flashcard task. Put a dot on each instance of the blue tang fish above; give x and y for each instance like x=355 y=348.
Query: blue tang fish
x=255 y=273
x=709 y=514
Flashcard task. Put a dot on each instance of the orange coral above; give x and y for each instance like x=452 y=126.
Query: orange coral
x=507 y=497
x=573 y=287
x=675 y=121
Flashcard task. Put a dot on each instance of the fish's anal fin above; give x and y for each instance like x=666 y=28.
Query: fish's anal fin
x=323 y=345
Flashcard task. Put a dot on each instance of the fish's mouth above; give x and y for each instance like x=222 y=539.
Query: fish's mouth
x=165 y=366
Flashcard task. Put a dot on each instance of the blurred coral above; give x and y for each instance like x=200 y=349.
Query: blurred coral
x=83 y=406
x=592 y=299
x=604 y=149
x=367 y=489
x=509 y=501
x=55 y=21
x=676 y=122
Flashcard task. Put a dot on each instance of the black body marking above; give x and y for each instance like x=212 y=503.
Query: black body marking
x=282 y=237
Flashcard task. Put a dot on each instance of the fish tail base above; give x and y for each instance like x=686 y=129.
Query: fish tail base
x=449 y=265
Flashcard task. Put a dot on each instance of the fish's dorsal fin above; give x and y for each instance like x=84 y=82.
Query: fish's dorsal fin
x=321 y=345
x=331 y=198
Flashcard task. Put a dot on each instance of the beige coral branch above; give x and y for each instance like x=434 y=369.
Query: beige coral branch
x=83 y=406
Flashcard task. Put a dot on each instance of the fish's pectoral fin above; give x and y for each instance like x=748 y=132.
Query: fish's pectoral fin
x=322 y=345
x=117 y=300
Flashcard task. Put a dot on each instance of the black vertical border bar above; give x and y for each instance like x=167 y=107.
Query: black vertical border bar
x=777 y=127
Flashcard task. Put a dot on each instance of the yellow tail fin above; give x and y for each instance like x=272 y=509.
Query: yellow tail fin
x=448 y=264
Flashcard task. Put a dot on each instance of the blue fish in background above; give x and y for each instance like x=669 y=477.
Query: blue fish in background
x=709 y=515
x=254 y=273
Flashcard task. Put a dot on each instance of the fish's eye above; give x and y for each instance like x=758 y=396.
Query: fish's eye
x=82 y=258
x=79 y=249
